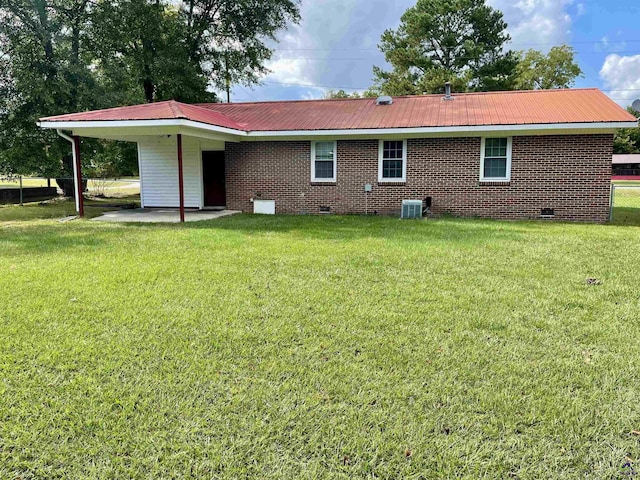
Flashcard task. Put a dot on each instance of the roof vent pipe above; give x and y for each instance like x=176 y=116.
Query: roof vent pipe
x=447 y=91
x=384 y=100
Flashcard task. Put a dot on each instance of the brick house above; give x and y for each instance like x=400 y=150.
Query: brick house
x=507 y=155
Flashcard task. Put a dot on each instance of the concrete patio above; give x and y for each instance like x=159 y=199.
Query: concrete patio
x=162 y=215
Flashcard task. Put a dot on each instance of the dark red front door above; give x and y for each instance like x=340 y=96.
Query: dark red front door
x=215 y=194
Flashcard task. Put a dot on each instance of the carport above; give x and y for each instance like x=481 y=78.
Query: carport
x=161 y=131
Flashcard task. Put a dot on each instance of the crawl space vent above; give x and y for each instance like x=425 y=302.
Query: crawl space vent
x=547 y=213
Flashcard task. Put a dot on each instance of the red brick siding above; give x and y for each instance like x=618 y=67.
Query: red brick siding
x=569 y=173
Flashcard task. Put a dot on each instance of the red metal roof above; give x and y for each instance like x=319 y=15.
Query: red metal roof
x=467 y=109
x=169 y=110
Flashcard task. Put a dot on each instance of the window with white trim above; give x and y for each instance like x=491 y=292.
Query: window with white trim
x=495 y=159
x=323 y=161
x=392 y=161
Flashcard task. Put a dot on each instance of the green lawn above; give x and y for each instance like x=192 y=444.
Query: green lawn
x=627 y=204
x=319 y=347
x=626 y=182
x=59 y=208
x=42 y=182
x=26 y=182
x=114 y=188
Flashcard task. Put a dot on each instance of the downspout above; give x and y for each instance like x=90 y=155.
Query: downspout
x=75 y=166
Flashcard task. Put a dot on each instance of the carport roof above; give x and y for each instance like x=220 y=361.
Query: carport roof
x=169 y=110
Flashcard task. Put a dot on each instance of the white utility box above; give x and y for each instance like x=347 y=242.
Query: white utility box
x=267 y=207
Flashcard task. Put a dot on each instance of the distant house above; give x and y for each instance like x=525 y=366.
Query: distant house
x=626 y=166
x=508 y=155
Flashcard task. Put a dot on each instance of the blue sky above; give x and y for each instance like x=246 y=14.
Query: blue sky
x=335 y=44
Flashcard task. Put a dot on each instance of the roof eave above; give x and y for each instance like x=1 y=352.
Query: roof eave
x=137 y=127
x=475 y=130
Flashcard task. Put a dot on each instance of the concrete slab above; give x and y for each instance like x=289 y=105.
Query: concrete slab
x=163 y=215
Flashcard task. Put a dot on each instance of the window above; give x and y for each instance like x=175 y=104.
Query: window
x=392 y=161
x=495 y=160
x=323 y=161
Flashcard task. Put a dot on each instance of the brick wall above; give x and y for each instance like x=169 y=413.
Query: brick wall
x=569 y=173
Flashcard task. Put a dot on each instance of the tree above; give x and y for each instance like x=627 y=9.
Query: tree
x=341 y=94
x=557 y=69
x=59 y=56
x=183 y=50
x=460 y=41
x=627 y=140
x=43 y=44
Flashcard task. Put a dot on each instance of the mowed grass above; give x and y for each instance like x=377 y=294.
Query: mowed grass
x=42 y=182
x=627 y=204
x=63 y=207
x=626 y=182
x=319 y=347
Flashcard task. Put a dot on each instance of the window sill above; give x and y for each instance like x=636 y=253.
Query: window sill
x=323 y=182
x=488 y=182
x=391 y=182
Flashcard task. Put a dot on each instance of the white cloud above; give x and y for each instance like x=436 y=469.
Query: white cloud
x=538 y=24
x=611 y=46
x=621 y=75
x=335 y=45
x=291 y=71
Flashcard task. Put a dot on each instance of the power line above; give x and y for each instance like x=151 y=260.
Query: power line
x=368 y=59
x=588 y=42
x=248 y=93
x=313 y=85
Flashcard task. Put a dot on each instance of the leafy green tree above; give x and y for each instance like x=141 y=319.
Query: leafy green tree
x=59 y=56
x=186 y=49
x=43 y=44
x=460 y=41
x=627 y=140
x=140 y=47
x=341 y=94
x=556 y=69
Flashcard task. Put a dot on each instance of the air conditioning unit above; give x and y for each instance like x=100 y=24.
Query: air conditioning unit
x=411 y=209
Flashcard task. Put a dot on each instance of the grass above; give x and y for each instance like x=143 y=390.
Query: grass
x=626 y=182
x=627 y=204
x=59 y=208
x=42 y=182
x=26 y=182
x=307 y=347
x=114 y=188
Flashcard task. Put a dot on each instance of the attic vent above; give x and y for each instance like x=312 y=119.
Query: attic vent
x=447 y=91
x=411 y=209
x=384 y=100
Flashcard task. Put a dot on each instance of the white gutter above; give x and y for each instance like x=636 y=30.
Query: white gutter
x=75 y=166
x=179 y=122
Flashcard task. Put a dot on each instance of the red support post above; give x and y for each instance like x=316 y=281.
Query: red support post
x=180 y=178
x=78 y=167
